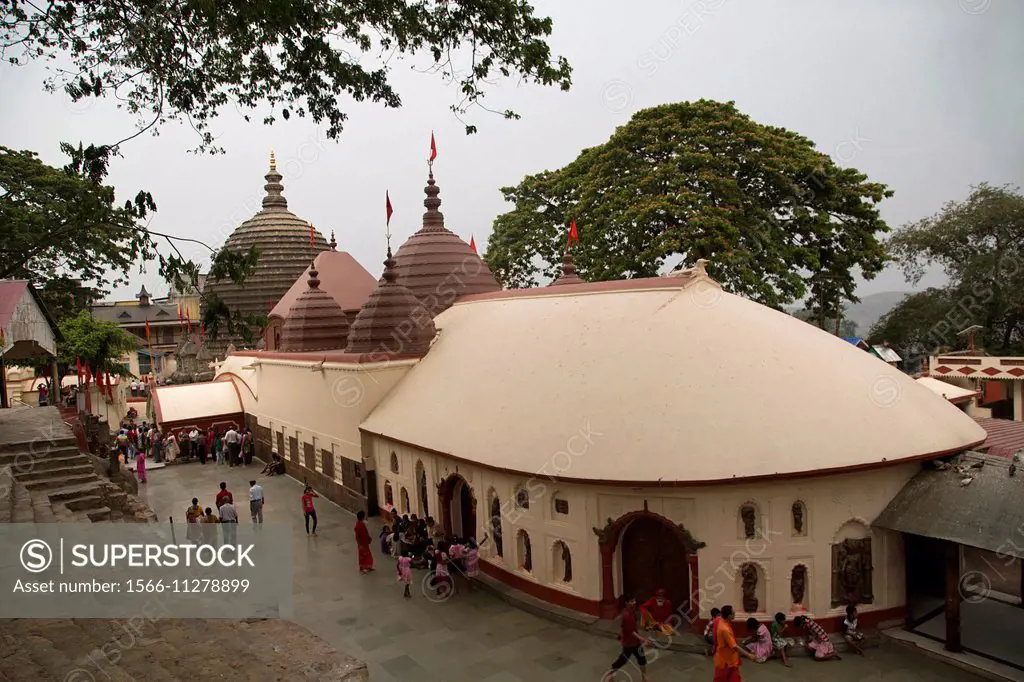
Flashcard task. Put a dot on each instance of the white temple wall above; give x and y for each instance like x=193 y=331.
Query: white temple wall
x=835 y=507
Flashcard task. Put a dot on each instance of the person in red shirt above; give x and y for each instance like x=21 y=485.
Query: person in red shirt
x=363 y=541
x=632 y=643
x=224 y=495
x=655 y=613
x=307 y=507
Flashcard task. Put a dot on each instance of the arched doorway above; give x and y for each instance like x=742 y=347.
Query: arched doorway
x=655 y=553
x=421 y=490
x=654 y=557
x=458 y=507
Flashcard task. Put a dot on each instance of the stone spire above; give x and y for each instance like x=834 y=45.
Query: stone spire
x=274 y=199
x=568 y=275
x=433 y=219
x=383 y=323
x=315 y=321
x=334 y=242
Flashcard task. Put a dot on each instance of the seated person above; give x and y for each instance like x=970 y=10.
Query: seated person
x=853 y=636
x=275 y=467
x=655 y=613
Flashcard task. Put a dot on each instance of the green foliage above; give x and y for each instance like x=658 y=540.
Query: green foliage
x=187 y=59
x=847 y=327
x=99 y=344
x=692 y=180
x=979 y=243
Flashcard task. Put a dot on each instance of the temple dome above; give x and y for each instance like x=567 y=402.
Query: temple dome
x=568 y=275
x=315 y=321
x=436 y=265
x=392 y=321
x=283 y=242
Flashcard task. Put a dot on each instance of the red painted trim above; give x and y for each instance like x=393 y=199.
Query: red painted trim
x=543 y=592
x=685 y=484
x=236 y=419
x=329 y=356
x=232 y=374
x=234 y=385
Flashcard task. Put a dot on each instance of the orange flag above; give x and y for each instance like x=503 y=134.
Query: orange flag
x=433 y=146
x=573 y=235
x=147 y=330
x=472 y=243
x=311 y=234
x=387 y=199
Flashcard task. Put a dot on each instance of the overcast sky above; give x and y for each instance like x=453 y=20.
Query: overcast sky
x=923 y=95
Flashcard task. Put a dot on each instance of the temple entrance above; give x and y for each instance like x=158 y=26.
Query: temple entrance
x=421 y=490
x=653 y=556
x=458 y=505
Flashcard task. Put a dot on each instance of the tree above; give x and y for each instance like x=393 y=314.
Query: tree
x=695 y=180
x=187 y=59
x=100 y=345
x=847 y=327
x=921 y=322
x=65 y=232
x=979 y=244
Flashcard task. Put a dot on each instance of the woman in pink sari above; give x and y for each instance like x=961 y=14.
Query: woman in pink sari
x=760 y=643
x=140 y=465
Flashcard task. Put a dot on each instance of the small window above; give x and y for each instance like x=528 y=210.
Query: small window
x=561 y=506
x=394 y=463
x=522 y=498
x=562 y=562
x=496 y=525
x=525 y=551
x=405 y=501
x=389 y=494
x=357 y=470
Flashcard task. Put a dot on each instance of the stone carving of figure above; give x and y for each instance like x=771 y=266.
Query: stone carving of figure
x=850 y=573
x=749 y=517
x=851 y=584
x=798 y=518
x=527 y=553
x=749 y=575
x=798 y=585
x=567 y=560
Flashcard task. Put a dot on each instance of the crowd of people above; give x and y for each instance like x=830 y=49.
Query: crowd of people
x=136 y=444
x=764 y=641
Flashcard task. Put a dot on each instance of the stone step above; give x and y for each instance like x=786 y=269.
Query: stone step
x=98 y=514
x=70 y=469
x=50 y=484
x=21 y=510
x=29 y=461
x=70 y=492
x=85 y=503
x=64 y=439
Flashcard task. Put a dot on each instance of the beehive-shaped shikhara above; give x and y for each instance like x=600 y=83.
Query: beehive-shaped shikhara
x=315 y=321
x=436 y=265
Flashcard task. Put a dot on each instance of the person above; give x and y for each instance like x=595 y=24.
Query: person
x=208 y=528
x=248 y=446
x=396 y=544
x=363 y=541
x=232 y=440
x=308 y=510
x=209 y=444
x=385 y=540
x=760 y=642
x=709 y=631
x=851 y=634
x=184 y=444
x=133 y=438
x=140 y=466
x=198 y=445
x=405 y=573
x=218 y=447
x=43 y=401
x=229 y=522
x=224 y=495
x=818 y=643
x=193 y=517
x=727 y=651
x=275 y=467
x=436 y=531
x=442 y=576
x=779 y=642
x=473 y=560
x=655 y=613
x=173 y=451
x=256 y=501
x=122 y=442
x=135 y=387
x=631 y=641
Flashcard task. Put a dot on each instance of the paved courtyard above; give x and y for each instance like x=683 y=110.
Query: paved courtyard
x=470 y=637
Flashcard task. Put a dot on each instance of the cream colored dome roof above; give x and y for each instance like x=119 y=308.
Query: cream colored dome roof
x=664 y=379
x=283 y=241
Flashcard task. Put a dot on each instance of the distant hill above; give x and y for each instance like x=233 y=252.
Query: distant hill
x=870 y=309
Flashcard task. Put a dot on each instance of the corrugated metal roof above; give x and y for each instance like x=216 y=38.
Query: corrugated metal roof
x=855 y=340
x=1005 y=437
x=887 y=354
x=986 y=513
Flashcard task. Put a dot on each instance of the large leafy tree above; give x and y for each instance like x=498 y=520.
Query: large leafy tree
x=100 y=345
x=187 y=59
x=679 y=182
x=65 y=231
x=979 y=244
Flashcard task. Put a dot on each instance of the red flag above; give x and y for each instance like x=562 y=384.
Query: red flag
x=202 y=330
x=311 y=234
x=181 y=320
x=147 y=330
x=78 y=367
x=472 y=243
x=433 y=146
x=188 y=319
x=88 y=374
x=3 y=338
x=387 y=198
x=573 y=235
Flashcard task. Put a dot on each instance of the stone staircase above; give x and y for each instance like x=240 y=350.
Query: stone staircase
x=166 y=650
x=61 y=481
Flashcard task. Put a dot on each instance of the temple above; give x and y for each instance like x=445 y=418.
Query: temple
x=610 y=437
